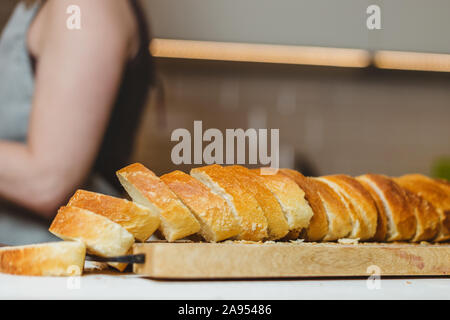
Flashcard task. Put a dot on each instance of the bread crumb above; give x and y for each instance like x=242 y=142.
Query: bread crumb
x=348 y=241
x=90 y=266
x=241 y=241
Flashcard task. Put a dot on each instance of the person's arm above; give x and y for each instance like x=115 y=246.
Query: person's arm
x=77 y=78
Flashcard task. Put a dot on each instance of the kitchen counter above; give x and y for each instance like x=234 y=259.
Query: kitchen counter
x=109 y=286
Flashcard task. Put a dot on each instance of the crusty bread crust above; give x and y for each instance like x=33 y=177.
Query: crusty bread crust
x=145 y=188
x=214 y=215
x=136 y=219
x=101 y=236
x=292 y=200
x=339 y=221
x=56 y=259
x=382 y=221
x=445 y=184
x=426 y=215
x=433 y=192
x=277 y=224
x=401 y=221
x=318 y=226
x=253 y=223
x=362 y=207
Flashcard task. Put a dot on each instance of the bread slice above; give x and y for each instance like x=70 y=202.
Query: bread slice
x=277 y=224
x=253 y=224
x=339 y=221
x=435 y=193
x=359 y=203
x=145 y=188
x=393 y=203
x=216 y=219
x=381 y=233
x=445 y=184
x=101 y=236
x=426 y=215
x=292 y=200
x=55 y=259
x=136 y=219
x=318 y=226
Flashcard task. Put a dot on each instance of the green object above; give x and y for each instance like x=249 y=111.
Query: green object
x=441 y=168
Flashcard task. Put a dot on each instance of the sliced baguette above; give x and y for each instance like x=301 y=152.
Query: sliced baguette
x=426 y=215
x=359 y=202
x=445 y=184
x=136 y=219
x=292 y=200
x=101 y=236
x=434 y=192
x=382 y=219
x=253 y=224
x=213 y=213
x=145 y=188
x=318 y=226
x=277 y=224
x=339 y=221
x=393 y=203
x=55 y=259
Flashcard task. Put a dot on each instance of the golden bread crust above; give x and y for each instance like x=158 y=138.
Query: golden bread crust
x=291 y=197
x=426 y=215
x=318 y=226
x=382 y=221
x=362 y=207
x=147 y=189
x=137 y=220
x=435 y=193
x=445 y=184
x=402 y=223
x=277 y=224
x=339 y=221
x=217 y=221
x=101 y=236
x=56 y=259
x=251 y=218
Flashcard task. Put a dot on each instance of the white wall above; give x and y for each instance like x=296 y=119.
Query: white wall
x=413 y=25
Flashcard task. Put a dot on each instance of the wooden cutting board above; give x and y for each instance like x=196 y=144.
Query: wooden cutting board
x=290 y=260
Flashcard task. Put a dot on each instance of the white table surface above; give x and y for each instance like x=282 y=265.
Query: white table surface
x=101 y=286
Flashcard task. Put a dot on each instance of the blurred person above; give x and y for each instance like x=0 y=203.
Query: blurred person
x=70 y=101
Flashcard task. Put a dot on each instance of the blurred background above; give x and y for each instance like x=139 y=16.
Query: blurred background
x=379 y=107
